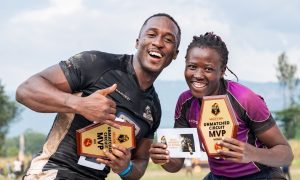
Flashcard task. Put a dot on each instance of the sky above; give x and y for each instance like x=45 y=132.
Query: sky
x=36 y=34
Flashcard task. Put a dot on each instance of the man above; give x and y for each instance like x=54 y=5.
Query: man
x=98 y=87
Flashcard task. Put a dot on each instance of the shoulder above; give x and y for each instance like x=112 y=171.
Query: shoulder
x=184 y=97
x=251 y=102
x=239 y=91
x=96 y=61
x=92 y=56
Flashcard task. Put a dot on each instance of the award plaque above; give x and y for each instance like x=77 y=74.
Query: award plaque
x=216 y=120
x=94 y=139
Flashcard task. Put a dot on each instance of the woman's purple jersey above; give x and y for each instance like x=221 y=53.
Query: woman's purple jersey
x=253 y=118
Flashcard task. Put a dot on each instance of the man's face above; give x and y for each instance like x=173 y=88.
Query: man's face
x=157 y=44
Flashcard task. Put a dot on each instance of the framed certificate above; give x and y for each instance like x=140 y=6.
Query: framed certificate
x=181 y=142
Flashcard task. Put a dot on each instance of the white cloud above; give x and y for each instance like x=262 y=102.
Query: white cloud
x=57 y=9
x=255 y=33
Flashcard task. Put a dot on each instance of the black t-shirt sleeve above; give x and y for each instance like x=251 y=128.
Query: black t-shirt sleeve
x=82 y=69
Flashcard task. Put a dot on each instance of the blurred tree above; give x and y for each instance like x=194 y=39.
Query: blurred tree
x=290 y=121
x=33 y=141
x=11 y=147
x=9 y=110
x=289 y=116
x=33 y=144
x=286 y=75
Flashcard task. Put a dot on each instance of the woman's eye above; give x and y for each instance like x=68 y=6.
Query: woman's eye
x=192 y=67
x=208 y=69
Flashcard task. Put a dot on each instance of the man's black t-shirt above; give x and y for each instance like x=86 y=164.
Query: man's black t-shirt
x=86 y=73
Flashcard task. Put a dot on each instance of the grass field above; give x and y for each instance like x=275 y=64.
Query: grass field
x=163 y=175
x=155 y=172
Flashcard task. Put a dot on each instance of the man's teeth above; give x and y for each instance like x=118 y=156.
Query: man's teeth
x=155 y=54
x=198 y=85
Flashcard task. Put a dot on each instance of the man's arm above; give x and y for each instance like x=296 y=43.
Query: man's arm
x=49 y=91
x=140 y=159
x=120 y=157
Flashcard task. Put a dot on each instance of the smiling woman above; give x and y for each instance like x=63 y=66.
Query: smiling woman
x=258 y=139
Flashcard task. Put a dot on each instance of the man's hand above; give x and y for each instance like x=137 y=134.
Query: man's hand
x=98 y=107
x=118 y=159
x=159 y=153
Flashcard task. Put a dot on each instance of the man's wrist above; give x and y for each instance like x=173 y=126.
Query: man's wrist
x=126 y=171
x=73 y=102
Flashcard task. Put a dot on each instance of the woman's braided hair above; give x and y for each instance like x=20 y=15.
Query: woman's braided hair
x=211 y=40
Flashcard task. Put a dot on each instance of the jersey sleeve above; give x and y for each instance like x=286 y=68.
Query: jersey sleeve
x=261 y=118
x=81 y=70
x=180 y=113
x=251 y=108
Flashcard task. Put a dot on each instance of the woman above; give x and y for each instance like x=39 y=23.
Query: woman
x=259 y=148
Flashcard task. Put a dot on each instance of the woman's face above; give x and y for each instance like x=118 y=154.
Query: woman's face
x=203 y=71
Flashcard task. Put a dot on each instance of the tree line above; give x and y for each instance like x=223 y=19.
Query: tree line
x=289 y=117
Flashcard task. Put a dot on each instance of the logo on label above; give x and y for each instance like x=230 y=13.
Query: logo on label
x=215 y=109
x=123 y=138
x=217 y=147
x=87 y=142
x=147 y=113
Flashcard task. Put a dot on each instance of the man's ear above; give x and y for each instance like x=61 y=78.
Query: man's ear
x=136 y=43
x=175 y=54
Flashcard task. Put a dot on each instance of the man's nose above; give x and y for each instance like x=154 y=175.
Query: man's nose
x=158 y=41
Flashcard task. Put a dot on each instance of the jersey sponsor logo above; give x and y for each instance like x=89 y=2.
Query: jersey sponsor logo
x=129 y=119
x=215 y=109
x=123 y=95
x=147 y=113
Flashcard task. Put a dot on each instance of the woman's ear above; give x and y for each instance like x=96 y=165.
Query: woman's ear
x=223 y=71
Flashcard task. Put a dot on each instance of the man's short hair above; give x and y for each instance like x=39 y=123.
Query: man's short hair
x=168 y=16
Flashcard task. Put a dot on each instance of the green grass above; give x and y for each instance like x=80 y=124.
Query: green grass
x=162 y=174
x=155 y=172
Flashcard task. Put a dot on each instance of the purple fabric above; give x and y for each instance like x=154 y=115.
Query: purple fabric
x=246 y=101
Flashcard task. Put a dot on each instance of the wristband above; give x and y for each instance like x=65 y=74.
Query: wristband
x=127 y=170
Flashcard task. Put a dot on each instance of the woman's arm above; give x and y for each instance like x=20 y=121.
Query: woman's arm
x=277 y=154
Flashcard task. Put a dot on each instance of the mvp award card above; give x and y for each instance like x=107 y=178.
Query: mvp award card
x=94 y=139
x=216 y=120
x=181 y=142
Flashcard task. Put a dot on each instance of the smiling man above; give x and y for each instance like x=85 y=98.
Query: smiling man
x=109 y=86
